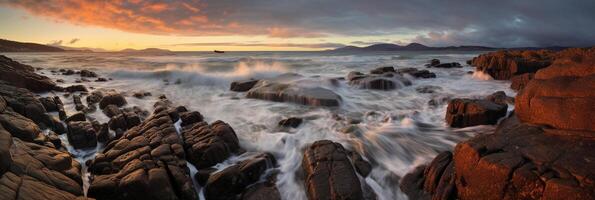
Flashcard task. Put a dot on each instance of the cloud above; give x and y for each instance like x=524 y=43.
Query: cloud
x=55 y=43
x=74 y=40
x=258 y=44
x=433 y=22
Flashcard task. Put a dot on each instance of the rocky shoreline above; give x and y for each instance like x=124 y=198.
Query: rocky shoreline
x=170 y=151
x=542 y=150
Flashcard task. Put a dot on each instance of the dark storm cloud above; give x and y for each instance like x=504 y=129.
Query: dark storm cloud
x=435 y=22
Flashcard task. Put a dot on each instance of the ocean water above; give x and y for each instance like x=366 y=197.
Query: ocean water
x=398 y=129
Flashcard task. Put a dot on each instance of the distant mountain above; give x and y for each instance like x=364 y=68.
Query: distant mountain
x=13 y=46
x=410 y=47
x=147 y=50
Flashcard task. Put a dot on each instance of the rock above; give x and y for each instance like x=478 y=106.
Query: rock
x=60 y=80
x=103 y=133
x=412 y=184
x=561 y=102
x=573 y=62
x=416 y=73
x=448 y=65
x=23 y=76
x=67 y=72
x=202 y=175
x=435 y=180
x=261 y=191
x=51 y=104
x=146 y=162
x=520 y=81
x=101 y=79
x=75 y=88
x=521 y=161
x=428 y=89
x=242 y=86
x=25 y=103
x=88 y=73
x=111 y=110
x=37 y=172
x=141 y=94
x=503 y=65
x=355 y=75
x=362 y=166
x=233 y=180
x=500 y=97
x=112 y=98
x=55 y=140
x=20 y=126
x=296 y=89
x=81 y=134
x=471 y=112
x=78 y=103
x=94 y=97
x=207 y=145
x=77 y=117
x=293 y=122
x=433 y=62
x=382 y=70
x=190 y=118
x=328 y=172
x=124 y=121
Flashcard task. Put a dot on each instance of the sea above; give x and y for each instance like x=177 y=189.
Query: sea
x=394 y=130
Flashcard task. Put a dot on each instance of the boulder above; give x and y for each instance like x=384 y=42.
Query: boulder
x=76 y=117
x=124 y=121
x=242 y=86
x=23 y=76
x=382 y=70
x=24 y=102
x=448 y=65
x=518 y=82
x=500 y=97
x=561 y=102
x=190 y=118
x=471 y=112
x=146 y=162
x=112 y=98
x=434 y=181
x=141 y=94
x=75 y=88
x=78 y=103
x=94 y=97
x=207 y=145
x=329 y=173
x=503 y=65
x=296 y=89
x=233 y=180
x=388 y=81
x=433 y=62
x=111 y=110
x=20 y=126
x=416 y=72
x=261 y=191
x=52 y=104
x=573 y=62
x=293 y=122
x=88 y=73
x=67 y=72
x=81 y=134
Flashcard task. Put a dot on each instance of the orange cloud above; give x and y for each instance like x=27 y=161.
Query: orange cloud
x=187 y=17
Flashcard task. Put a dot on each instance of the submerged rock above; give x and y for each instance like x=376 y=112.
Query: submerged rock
x=389 y=79
x=296 y=89
x=293 y=122
x=88 y=73
x=329 y=173
x=447 y=65
x=233 y=180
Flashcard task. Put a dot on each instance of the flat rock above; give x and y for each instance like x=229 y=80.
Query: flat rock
x=242 y=86
x=296 y=89
x=503 y=65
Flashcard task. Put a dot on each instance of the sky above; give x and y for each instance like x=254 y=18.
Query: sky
x=269 y=25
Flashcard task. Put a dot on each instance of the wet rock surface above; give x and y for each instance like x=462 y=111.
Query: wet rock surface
x=503 y=65
x=242 y=86
x=209 y=144
x=23 y=76
x=112 y=98
x=447 y=65
x=81 y=134
x=471 y=112
x=294 y=88
x=233 y=181
x=146 y=162
x=383 y=78
x=329 y=174
x=520 y=81
x=31 y=171
x=293 y=122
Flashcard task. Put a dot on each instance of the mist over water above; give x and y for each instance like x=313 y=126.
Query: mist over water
x=398 y=129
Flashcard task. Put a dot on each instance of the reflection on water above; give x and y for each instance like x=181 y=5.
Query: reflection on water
x=394 y=130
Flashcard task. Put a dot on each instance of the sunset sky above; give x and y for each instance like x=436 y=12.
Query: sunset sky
x=296 y=24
